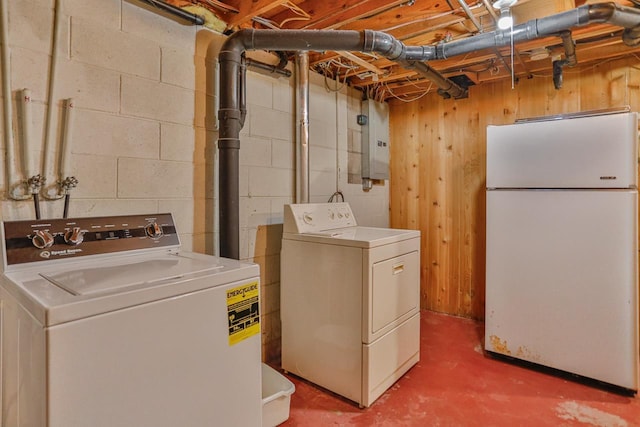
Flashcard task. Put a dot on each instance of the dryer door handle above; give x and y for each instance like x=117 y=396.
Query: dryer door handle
x=398 y=268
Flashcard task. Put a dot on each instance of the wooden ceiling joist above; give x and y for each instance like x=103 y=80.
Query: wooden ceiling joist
x=424 y=22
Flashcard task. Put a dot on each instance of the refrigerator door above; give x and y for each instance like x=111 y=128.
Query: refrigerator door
x=585 y=152
x=562 y=281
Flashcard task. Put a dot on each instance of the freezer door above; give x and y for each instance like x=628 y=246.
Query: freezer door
x=562 y=281
x=586 y=152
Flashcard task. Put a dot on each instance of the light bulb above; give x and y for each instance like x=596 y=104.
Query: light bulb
x=505 y=21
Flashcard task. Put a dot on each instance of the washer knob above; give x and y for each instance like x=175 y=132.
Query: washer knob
x=154 y=230
x=74 y=236
x=42 y=239
x=307 y=218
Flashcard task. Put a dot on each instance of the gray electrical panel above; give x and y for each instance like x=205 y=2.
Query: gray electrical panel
x=375 y=140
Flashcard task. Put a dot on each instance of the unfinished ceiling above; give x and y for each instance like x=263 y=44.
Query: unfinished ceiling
x=418 y=22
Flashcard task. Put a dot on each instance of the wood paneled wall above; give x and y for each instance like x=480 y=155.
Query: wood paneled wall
x=438 y=174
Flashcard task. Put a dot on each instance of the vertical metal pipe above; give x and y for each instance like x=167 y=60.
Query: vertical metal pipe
x=36 y=205
x=569 y=48
x=302 y=127
x=26 y=133
x=230 y=117
x=67 y=138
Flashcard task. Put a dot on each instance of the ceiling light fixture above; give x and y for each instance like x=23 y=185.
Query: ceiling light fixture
x=506 y=20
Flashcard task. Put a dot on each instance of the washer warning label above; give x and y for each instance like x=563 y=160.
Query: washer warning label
x=243 y=311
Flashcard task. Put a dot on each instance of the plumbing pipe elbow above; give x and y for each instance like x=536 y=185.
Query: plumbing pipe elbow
x=612 y=13
x=238 y=42
x=571 y=59
x=601 y=12
x=557 y=73
x=626 y=17
x=384 y=44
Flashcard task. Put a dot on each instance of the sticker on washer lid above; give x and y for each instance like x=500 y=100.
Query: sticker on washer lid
x=243 y=311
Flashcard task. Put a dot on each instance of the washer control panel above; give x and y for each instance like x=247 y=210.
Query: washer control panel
x=51 y=239
x=317 y=217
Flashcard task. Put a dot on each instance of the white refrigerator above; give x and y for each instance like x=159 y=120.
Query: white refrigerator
x=562 y=245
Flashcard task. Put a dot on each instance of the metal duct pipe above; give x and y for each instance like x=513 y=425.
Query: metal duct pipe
x=192 y=18
x=274 y=69
x=229 y=116
x=302 y=127
x=611 y=13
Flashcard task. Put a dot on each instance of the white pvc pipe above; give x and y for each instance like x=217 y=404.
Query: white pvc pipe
x=6 y=93
x=65 y=148
x=27 y=165
x=49 y=134
x=8 y=107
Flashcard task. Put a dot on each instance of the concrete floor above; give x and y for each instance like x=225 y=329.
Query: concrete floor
x=455 y=384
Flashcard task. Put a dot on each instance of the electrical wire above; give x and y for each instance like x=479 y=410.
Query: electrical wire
x=267 y=23
x=336 y=89
x=335 y=196
x=408 y=100
x=325 y=69
x=302 y=15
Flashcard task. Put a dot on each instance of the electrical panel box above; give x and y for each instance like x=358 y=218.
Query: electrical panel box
x=375 y=140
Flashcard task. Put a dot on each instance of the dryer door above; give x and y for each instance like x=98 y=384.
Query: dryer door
x=394 y=289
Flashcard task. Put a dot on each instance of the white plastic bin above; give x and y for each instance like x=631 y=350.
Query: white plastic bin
x=276 y=397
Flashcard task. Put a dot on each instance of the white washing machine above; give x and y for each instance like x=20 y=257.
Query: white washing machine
x=106 y=323
x=350 y=301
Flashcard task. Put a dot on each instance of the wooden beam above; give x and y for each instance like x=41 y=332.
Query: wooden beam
x=327 y=14
x=361 y=62
x=419 y=11
x=248 y=10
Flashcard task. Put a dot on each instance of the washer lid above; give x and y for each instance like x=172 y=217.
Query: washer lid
x=78 y=289
x=364 y=237
x=100 y=279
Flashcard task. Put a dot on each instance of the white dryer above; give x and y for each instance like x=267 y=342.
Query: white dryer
x=350 y=301
x=106 y=323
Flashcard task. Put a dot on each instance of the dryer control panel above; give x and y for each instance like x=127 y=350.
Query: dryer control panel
x=52 y=239
x=317 y=217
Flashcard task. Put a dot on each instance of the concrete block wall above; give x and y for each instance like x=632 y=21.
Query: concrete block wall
x=131 y=73
x=144 y=138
